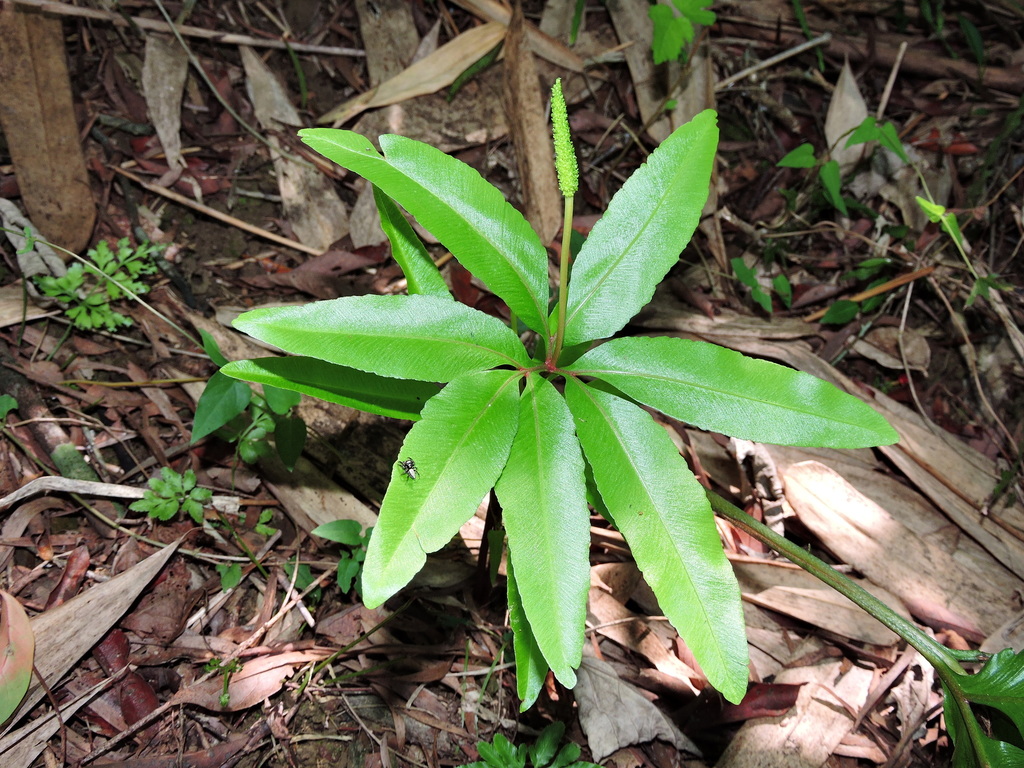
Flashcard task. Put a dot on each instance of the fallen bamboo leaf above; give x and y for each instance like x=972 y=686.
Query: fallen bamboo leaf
x=65 y=633
x=427 y=75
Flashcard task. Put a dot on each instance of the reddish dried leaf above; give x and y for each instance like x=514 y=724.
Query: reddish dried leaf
x=71 y=581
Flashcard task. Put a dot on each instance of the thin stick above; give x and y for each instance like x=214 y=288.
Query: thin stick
x=64 y=9
x=896 y=282
x=884 y=101
x=772 y=61
x=252 y=229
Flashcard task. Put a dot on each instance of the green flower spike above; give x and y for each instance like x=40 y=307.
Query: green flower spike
x=565 y=157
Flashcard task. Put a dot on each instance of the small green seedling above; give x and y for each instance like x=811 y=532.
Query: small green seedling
x=500 y=753
x=229 y=409
x=348 y=533
x=673 y=27
x=172 y=493
x=885 y=134
x=105 y=276
x=226 y=670
x=524 y=420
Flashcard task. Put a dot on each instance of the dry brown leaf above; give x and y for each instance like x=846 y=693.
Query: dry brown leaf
x=846 y=111
x=38 y=123
x=164 y=71
x=808 y=734
x=528 y=126
x=613 y=714
x=542 y=45
x=63 y=634
x=311 y=204
x=883 y=346
x=630 y=630
x=388 y=32
x=794 y=592
x=258 y=679
x=427 y=75
x=932 y=584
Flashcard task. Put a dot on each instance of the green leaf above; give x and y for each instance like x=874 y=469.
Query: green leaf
x=460 y=447
x=543 y=500
x=347 y=532
x=671 y=32
x=831 y=180
x=1000 y=685
x=290 y=439
x=648 y=223
x=7 y=404
x=281 y=399
x=722 y=390
x=983 y=285
x=842 y=311
x=531 y=669
x=222 y=400
x=973 y=38
x=212 y=349
x=801 y=157
x=397 y=398
x=782 y=287
x=408 y=250
x=348 y=571
x=546 y=747
x=450 y=199
x=230 y=575
x=748 y=277
x=405 y=337
x=664 y=515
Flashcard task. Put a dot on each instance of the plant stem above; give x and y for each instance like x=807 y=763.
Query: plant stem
x=946 y=665
x=563 y=280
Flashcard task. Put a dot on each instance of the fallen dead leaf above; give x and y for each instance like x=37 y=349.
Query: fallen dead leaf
x=257 y=680
x=613 y=714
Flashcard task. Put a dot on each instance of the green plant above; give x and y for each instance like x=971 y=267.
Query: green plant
x=500 y=422
x=348 y=533
x=500 y=753
x=230 y=409
x=90 y=285
x=885 y=134
x=673 y=27
x=172 y=493
x=226 y=670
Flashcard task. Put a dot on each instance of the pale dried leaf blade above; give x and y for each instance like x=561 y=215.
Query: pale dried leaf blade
x=524 y=108
x=869 y=538
x=65 y=633
x=256 y=681
x=388 y=32
x=883 y=346
x=311 y=204
x=613 y=714
x=809 y=733
x=846 y=111
x=427 y=75
x=164 y=72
